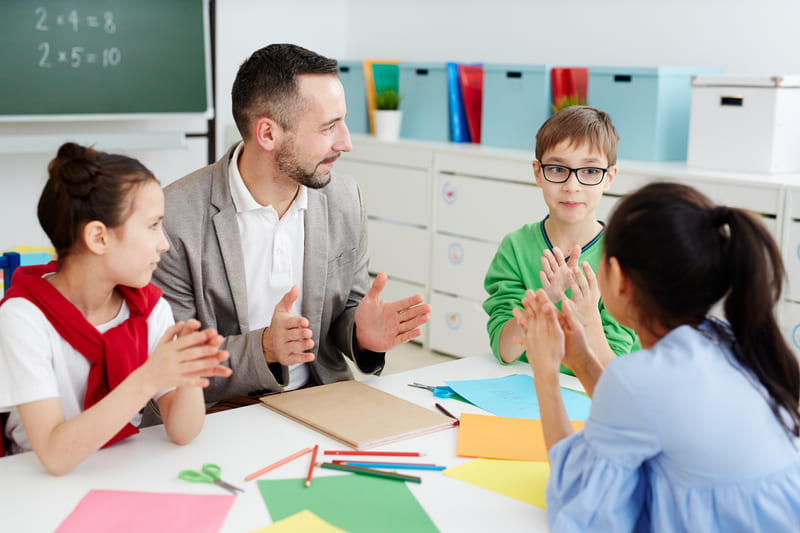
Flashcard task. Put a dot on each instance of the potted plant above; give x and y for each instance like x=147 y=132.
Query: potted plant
x=388 y=116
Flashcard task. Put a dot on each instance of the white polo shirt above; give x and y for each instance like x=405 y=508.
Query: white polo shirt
x=273 y=250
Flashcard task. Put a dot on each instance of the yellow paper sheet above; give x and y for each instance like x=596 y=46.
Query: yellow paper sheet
x=499 y=437
x=301 y=522
x=28 y=249
x=522 y=480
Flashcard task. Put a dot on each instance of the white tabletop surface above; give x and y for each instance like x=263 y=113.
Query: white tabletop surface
x=244 y=440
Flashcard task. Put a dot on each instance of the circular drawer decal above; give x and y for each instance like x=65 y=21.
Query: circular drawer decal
x=453 y=320
x=449 y=193
x=455 y=252
x=795 y=333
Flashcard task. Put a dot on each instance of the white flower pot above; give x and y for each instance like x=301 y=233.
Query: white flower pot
x=387 y=124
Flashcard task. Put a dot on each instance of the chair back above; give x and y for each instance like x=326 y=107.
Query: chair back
x=9 y=262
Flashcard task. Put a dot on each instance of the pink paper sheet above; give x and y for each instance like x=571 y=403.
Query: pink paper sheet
x=124 y=511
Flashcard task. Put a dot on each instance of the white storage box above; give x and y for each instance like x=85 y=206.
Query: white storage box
x=745 y=123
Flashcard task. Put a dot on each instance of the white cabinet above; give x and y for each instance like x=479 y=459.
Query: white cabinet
x=437 y=212
x=395 y=180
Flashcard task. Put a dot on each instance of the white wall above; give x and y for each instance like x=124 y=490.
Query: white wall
x=740 y=36
x=243 y=26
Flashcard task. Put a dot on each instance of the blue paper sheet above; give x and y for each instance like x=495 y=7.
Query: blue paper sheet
x=515 y=396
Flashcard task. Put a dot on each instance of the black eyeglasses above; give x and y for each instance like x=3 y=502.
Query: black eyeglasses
x=585 y=175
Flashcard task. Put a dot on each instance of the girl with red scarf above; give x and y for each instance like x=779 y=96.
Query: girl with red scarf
x=87 y=341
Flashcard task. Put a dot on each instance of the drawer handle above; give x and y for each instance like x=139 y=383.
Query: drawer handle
x=344 y=69
x=623 y=78
x=513 y=74
x=422 y=72
x=737 y=101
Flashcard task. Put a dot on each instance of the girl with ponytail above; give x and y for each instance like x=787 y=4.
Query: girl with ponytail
x=699 y=430
x=86 y=341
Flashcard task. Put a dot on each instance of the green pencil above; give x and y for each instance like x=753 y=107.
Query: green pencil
x=370 y=472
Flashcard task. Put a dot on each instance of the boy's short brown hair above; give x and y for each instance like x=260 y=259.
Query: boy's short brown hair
x=580 y=124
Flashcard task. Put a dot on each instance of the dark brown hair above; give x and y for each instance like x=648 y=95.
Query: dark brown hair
x=266 y=84
x=683 y=254
x=580 y=125
x=84 y=185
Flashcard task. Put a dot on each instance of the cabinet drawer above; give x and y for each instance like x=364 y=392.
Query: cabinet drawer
x=460 y=265
x=605 y=207
x=790 y=321
x=791 y=259
x=392 y=193
x=457 y=327
x=485 y=209
x=399 y=250
x=764 y=200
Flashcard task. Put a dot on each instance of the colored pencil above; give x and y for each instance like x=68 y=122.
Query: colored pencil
x=399 y=466
x=447 y=413
x=311 y=466
x=370 y=472
x=345 y=461
x=277 y=464
x=360 y=452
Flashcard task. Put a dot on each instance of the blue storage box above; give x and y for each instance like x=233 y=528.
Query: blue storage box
x=351 y=73
x=424 y=101
x=516 y=101
x=649 y=106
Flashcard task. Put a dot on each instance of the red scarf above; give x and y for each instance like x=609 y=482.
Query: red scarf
x=113 y=354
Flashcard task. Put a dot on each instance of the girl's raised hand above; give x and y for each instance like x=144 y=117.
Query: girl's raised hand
x=186 y=357
x=585 y=294
x=544 y=338
x=557 y=273
x=576 y=345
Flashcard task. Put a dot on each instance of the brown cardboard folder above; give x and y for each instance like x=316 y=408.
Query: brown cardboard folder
x=356 y=414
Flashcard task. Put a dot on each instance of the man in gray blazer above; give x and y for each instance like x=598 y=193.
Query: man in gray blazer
x=269 y=246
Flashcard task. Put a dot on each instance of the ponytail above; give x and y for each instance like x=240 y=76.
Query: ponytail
x=683 y=254
x=756 y=274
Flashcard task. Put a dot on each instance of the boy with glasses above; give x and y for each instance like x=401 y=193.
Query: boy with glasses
x=576 y=155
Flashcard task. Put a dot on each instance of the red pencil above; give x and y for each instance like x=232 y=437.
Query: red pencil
x=386 y=454
x=311 y=466
x=277 y=464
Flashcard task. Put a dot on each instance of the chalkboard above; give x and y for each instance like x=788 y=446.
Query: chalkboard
x=103 y=57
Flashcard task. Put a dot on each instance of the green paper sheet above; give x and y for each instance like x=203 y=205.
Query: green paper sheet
x=352 y=502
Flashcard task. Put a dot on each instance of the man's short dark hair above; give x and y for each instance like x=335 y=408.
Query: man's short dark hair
x=266 y=84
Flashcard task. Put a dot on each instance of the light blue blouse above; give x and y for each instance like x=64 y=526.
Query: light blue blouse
x=679 y=438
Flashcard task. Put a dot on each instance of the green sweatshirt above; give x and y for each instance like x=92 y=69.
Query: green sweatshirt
x=515 y=268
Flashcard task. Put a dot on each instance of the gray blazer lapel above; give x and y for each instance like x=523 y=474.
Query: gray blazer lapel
x=315 y=259
x=230 y=242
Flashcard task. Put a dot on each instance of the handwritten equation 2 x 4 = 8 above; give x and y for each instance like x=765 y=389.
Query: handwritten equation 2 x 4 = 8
x=76 y=55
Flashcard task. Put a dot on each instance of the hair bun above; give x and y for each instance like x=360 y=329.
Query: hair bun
x=720 y=215
x=75 y=168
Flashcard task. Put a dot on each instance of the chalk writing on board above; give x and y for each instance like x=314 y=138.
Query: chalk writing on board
x=75 y=56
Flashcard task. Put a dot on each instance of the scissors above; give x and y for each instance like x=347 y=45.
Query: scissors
x=440 y=391
x=210 y=474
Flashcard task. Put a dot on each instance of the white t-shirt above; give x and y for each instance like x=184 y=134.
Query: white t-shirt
x=273 y=249
x=37 y=363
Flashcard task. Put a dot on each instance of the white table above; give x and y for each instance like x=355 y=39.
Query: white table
x=244 y=440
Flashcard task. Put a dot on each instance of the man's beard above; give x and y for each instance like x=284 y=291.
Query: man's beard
x=288 y=163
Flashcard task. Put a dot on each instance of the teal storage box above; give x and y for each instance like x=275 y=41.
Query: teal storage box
x=424 y=101
x=649 y=106
x=351 y=73
x=516 y=102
